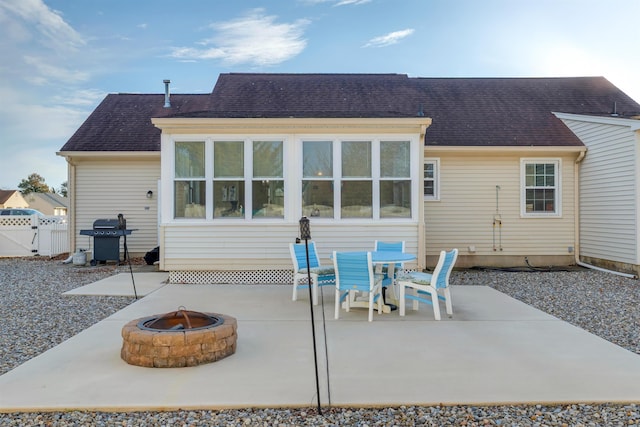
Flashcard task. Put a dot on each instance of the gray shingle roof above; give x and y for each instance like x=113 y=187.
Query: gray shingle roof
x=465 y=111
x=122 y=122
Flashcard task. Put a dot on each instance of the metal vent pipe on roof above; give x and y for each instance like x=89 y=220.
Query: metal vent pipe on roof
x=167 y=101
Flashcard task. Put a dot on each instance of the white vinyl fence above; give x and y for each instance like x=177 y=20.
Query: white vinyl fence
x=22 y=235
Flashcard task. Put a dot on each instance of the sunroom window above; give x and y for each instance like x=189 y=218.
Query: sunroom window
x=189 y=181
x=356 y=186
x=541 y=187
x=395 y=179
x=317 y=179
x=267 y=186
x=228 y=179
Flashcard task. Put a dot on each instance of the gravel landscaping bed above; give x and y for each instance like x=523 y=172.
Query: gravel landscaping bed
x=36 y=316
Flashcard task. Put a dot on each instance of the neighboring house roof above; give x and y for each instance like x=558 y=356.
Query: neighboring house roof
x=5 y=194
x=465 y=111
x=14 y=197
x=46 y=201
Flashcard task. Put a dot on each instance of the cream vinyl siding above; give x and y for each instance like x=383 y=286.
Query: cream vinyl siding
x=255 y=246
x=608 y=191
x=105 y=188
x=470 y=199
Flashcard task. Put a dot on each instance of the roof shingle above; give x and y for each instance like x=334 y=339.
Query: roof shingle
x=465 y=111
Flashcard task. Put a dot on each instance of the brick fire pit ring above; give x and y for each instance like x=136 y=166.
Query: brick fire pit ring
x=178 y=339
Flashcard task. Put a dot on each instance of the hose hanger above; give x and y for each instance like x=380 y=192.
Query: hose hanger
x=497 y=222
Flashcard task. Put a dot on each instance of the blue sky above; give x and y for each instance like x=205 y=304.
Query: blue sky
x=61 y=57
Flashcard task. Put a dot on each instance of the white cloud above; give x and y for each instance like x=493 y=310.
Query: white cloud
x=53 y=30
x=47 y=72
x=351 y=2
x=253 y=39
x=389 y=39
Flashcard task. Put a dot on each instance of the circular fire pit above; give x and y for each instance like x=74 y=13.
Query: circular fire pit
x=178 y=339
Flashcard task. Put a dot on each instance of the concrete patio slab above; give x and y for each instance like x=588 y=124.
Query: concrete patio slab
x=494 y=350
x=123 y=285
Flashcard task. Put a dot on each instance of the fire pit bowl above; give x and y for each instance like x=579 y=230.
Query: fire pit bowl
x=178 y=339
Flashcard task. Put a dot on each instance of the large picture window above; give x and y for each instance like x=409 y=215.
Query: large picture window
x=540 y=187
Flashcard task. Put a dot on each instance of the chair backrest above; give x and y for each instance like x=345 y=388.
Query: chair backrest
x=353 y=270
x=443 y=268
x=389 y=246
x=299 y=255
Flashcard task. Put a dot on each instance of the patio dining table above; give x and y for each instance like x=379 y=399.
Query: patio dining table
x=379 y=259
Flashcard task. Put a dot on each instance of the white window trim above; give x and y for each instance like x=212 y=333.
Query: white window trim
x=558 y=188
x=292 y=174
x=436 y=179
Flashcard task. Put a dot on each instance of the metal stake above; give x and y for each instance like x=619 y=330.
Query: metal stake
x=305 y=233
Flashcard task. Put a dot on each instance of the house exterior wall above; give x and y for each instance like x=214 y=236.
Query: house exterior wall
x=105 y=187
x=477 y=187
x=265 y=246
x=608 y=191
x=213 y=244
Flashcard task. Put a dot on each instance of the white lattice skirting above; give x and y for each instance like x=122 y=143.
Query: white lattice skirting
x=261 y=277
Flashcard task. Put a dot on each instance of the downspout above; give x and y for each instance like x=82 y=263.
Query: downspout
x=422 y=244
x=576 y=203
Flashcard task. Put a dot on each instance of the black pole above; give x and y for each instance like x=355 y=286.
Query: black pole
x=305 y=233
x=122 y=225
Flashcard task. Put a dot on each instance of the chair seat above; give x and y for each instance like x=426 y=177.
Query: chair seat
x=416 y=277
x=320 y=271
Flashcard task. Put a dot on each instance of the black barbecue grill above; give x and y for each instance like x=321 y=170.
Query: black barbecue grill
x=106 y=235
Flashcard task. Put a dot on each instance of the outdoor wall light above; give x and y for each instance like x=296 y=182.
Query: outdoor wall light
x=149 y=194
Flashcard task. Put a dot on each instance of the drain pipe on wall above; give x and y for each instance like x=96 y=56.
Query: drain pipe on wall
x=576 y=252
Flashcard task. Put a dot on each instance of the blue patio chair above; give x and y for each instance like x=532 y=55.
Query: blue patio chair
x=389 y=247
x=354 y=274
x=320 y=275
x=426 y=286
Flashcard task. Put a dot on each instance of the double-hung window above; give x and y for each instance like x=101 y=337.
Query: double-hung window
x=317 y=179
x=431 y=186
x=267 y=185
x=228 y=179
x=395 y=179
x=356 y=184
x=540 y=187
x=189 y=180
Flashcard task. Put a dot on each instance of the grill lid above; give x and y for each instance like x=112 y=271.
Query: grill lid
x=106 y=223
